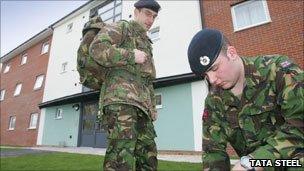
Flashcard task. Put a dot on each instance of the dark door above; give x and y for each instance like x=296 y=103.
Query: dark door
x=92 y=133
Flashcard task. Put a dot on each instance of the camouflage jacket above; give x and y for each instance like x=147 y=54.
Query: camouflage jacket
x=265 y=123
x=126 y=82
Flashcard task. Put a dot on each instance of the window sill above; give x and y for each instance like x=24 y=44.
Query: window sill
x=58 y=118
x=252 y=26
x=36 y=89
x=33 y=128
x=43 y=53
x=11 y=129
x=159 y=107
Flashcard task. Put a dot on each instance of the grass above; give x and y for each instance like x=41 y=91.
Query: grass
x=70 y=161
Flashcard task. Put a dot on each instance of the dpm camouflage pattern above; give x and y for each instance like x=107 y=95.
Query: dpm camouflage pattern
x=91 y=74
x=134 y=130
x=127 y=102
x=265 y=123
x=126 y=82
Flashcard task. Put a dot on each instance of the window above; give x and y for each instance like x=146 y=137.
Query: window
x=158 y=99
x=1 y=64
x=12 y=123
x=23 y=59
x=33 y=122
x=18 y=89
x=45 y=48
x=153 y=34
x=7 y=68
x=2 y=93
x=39 y=81
x=111 y=12
x=64 y=67
x=58 y=114
x=69 y=27
x=249 y=14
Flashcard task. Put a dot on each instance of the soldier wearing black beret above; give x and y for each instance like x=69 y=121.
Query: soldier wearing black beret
x=149 y=4
x=255 y=104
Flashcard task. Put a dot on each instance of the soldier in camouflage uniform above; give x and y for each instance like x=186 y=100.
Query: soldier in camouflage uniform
x=255 y=104
x=127 y=102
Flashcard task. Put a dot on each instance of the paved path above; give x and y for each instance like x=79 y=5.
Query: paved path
x=192 y=158
x=14 y=152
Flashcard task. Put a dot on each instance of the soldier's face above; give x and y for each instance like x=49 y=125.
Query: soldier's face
x=224 y=72
x=145 y=17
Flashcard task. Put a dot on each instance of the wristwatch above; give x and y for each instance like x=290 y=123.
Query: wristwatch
x=246 y=163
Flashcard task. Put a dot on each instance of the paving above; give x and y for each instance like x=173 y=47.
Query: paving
x=15 y=152
x=192 y=158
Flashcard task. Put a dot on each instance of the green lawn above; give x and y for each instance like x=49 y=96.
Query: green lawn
x=69 y=161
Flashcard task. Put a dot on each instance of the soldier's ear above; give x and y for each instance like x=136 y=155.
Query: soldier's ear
x=231 y=53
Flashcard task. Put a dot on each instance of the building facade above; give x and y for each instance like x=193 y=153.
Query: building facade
x=180 y=94
x=22 y=83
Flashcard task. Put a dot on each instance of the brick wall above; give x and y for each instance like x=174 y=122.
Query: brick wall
x=23 y=105
x=283 y=35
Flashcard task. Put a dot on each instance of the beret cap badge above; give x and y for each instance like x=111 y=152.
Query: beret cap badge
x=204 y=60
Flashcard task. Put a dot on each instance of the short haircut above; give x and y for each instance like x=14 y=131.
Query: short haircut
x=225 y=45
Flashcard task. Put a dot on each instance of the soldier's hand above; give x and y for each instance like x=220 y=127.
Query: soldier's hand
x=140 y=56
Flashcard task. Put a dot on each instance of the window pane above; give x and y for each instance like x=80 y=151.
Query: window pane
x=118 y=9
x=12 y=122
x=64 y=67
x=7 y=68
x=242 y=16
x=45 y=48
x=39 y=81
x=154 y=33
x=257 y=13
x=106 y=7
x=34 y=119
x=23 y=59
x=18 y=89
x=2 y=93
x=58 y=113
x=107 y=15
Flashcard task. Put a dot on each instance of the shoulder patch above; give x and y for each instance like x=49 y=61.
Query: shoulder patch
x=285 y=64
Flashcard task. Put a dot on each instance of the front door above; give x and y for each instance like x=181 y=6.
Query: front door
x=92 y=133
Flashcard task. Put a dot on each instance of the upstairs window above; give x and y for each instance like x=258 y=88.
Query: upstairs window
x=18 y=89
x=45 y=48
x=111 y=12
x=7 y=68
x=2 y=94
x=249 y=14
x=39 y=81
x=23 y=59
x=69 y=27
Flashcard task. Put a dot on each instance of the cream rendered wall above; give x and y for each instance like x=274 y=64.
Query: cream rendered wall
x=178 y=21
x=64 y=49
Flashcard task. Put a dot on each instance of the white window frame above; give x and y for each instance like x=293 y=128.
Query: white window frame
x=2 y=94
x=39 y=82
x=64 y=67
x=23 y=59
x=33 y=121
x=45 y=48
x=114 y=9
x=12 y=123
x=59 y=113
x=69 y=28
x=159 y=106
x=234 y=20
x=1 y=65
x=18 y=89
x=152 y=31
x=7 y=68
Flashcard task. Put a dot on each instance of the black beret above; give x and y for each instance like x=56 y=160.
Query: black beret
x=204 y=49
x=150 y=4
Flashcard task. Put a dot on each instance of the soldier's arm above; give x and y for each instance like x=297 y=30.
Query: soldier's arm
x=215 y=156
x=288 y=141
x=105 y=48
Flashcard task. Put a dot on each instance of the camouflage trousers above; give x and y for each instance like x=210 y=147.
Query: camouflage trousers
x=131 y=136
